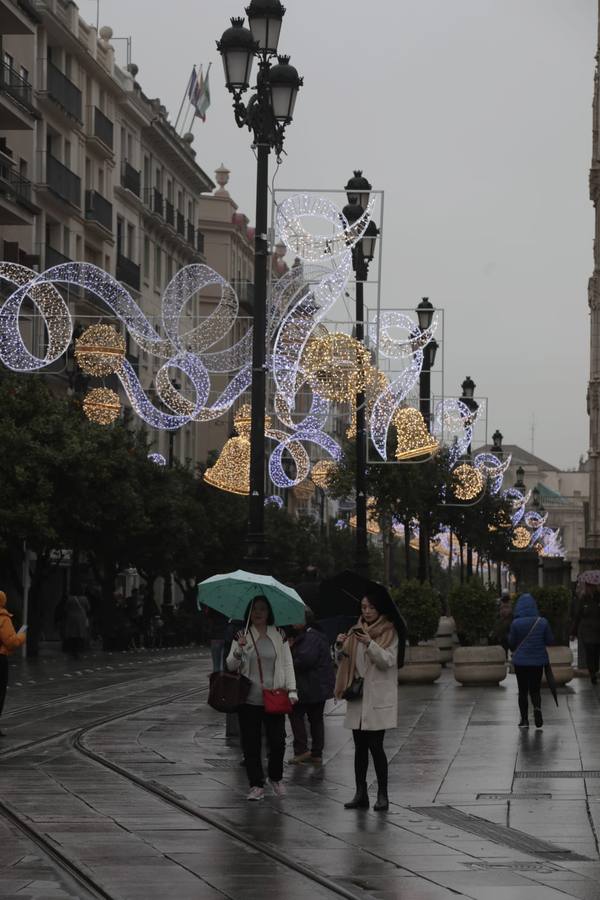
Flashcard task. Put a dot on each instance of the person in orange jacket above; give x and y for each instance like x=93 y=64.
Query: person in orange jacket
x=10 y=640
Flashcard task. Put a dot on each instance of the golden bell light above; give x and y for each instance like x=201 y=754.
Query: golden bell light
x=413 y=437
x=231 y=472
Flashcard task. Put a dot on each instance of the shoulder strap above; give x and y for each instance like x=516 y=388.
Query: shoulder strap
x=527 y=635
x=260 y=671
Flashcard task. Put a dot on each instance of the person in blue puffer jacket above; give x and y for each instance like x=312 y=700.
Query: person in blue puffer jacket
x=528 y=638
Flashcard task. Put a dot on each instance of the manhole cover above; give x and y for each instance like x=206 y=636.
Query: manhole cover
x=222 y=763
x=560 y=773
x=498 y=834
x=505 y=796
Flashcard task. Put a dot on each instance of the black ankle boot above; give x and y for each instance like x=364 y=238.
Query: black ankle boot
x=360 y=799
x=383 y=802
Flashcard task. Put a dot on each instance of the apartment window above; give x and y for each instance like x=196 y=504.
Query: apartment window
x=23 y=168
x=147 y=258
x=158 y=180
x=129 y=146
x=190 y=211
x=157 y=267
x=88 y=173
x=120 y=230
x=170 y=191
x=68 y=64
x=169 y=268
x=24 y=73
x=131 y=242
x=100 y=180
x=66 y=241
x=180 y=201
x=67 y=154
x=123 y=143
x=102 y=101
x=8 y=60
x=147 y=184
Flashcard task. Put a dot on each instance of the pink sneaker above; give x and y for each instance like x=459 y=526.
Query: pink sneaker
x=278 y=788
x=256 y=793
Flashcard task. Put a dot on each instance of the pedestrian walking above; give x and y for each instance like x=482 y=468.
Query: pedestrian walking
x=503 y=621
x=315 y=682
x=10 y=640
x=76 y=625
x=586 y=626
x=264 y=657
x=528 y=638
x=367 y=678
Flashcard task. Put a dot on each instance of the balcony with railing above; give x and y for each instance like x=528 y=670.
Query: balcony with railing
x=17 y=87
x=62 y=182
x=64 y=92
x=102 y=127
x=131 y=179
x=16 y=187
x=169 y=213
x=98 y=210
x=155 y=201
x=53 y=257
x=180 y=223
x=128 y=272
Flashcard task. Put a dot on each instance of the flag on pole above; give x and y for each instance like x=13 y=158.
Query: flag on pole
x=200 y=94
x=192 y=84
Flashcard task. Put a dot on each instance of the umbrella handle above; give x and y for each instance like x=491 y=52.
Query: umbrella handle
x=248 y=619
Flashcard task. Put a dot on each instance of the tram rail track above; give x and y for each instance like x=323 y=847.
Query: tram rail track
x=92 y=886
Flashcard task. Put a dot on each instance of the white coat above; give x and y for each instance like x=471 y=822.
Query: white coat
x=378 y=707
x=283 y=676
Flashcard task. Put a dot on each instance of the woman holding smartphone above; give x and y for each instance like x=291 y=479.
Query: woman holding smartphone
x=367 y=678
x=10 y=640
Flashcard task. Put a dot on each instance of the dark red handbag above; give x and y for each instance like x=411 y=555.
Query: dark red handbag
x=277 y=701
x=227 y=691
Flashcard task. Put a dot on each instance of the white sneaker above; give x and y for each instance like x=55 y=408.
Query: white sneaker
x=278 y=788
x=256 y=793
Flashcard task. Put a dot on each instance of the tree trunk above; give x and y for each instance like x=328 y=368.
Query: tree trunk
x=462 y=562
x=407 y=548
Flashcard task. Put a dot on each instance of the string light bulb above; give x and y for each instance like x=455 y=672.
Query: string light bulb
x=413 y=437
x=467 y=481
x=102 y=406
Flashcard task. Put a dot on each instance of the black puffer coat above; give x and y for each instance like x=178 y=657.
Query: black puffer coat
x=315 y=675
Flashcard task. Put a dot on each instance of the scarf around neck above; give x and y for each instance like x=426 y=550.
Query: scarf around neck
x=382 y=631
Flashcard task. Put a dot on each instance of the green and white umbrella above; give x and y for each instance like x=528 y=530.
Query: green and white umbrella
x=231 y=593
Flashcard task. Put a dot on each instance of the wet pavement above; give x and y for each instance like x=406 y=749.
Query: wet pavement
x=117 y=780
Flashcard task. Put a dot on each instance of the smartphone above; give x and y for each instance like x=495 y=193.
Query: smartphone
x=356 y=630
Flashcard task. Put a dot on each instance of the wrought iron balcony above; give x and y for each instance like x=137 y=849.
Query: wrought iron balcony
x=62 y=89
x=128 y=272
x=169 y=213
x=103 y=128
x=62 y=181
x=16 y=186
x=131 y=179
x=154 y=199
x=15 y=86
x=98 y=209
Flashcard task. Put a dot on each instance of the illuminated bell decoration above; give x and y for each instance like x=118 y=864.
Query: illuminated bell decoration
x=321 y=472
x=231 y=472
x=102 y=406
x=100 y=350
x=336 y=366
x=521 y=538
x=467 y=482
x=413 y=436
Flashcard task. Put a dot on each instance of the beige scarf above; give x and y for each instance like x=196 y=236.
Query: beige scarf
x=381 y=631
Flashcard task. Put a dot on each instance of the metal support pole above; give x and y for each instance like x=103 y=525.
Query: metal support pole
x=256 y=557
x=362 y=549
x=425 y=410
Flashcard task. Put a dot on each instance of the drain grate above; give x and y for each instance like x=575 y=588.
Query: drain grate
x=514 y=796
x=560 y=773
x=498 y=834
x=222 y=763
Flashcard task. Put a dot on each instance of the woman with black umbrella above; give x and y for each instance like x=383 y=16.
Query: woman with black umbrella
x=369 y=656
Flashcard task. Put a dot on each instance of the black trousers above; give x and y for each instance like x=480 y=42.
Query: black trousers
x=529 y=680
x=314 y=713
x=366 y=742
x=252 y=721
x=592 y=656
x=3 y=679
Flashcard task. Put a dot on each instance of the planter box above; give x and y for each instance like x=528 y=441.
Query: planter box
x=422 y=666
x=561 y=660
x=446 y=638
x=480 y=665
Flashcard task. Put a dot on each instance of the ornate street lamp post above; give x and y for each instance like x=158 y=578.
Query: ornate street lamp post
x=268 y=111
x=425 y=311
x=358 y=190
x=468 y=390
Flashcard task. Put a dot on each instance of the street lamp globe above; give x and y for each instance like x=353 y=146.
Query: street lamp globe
x=369 y=239
x=264 y=18
x=237 y=48
x=358 y=189
x=425 y=311
x=284 y=84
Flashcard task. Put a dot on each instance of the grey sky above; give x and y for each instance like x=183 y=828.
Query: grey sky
x=474 y=117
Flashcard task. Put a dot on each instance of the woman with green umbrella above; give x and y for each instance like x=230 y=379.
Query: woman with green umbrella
x=262 y=655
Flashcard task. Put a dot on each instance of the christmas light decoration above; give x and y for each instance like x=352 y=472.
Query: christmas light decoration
x=521 y=538
x=373 y=526
x=453 y=426
x=493 y=470
x=467 y=482
x=534 y=519
x=100 y=350
x=321 y=472
x=102 y=406
x=274 y=500
x=336 y=366
x=414 y=439
x=307 y=246
x=157 y=458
